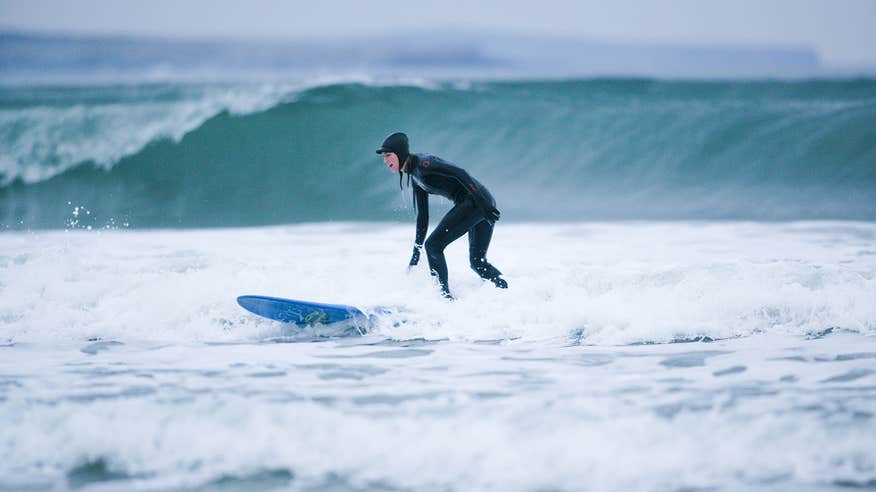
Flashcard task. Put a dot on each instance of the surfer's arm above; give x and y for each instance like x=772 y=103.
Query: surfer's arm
x=421 y=200
x=421 y=203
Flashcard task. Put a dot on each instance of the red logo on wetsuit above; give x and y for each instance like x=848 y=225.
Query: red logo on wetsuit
x=472 y=186
x=426 y=163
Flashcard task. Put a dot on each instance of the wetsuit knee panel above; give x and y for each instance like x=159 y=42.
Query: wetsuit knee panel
x=433 y=245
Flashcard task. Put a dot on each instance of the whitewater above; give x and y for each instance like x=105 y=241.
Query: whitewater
x=625 y=355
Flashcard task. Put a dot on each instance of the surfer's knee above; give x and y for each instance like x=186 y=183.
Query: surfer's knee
x=433 y=246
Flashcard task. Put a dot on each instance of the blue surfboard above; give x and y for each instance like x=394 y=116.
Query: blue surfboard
x=302 y=313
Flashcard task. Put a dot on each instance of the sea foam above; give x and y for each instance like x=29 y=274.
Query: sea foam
x=604 y=284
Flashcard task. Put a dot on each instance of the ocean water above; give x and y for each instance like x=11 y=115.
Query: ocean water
x=265 y=153
x=642 y=355
x=692 y=270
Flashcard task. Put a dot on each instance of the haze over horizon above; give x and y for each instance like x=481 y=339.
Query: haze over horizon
x=840 y=34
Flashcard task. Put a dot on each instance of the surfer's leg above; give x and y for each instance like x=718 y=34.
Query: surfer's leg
x=479 y=238
x=457 y=222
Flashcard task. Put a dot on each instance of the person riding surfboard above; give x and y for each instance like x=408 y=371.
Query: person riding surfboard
x=474 y=209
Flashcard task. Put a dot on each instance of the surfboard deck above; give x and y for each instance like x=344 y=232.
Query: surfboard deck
x=302 y=313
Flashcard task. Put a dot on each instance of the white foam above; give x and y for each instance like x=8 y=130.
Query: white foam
x=182 y=415
x=601 y=284
x=534 y=410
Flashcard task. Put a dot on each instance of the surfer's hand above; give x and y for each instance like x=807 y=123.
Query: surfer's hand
x=492 y=215
x=415 y=258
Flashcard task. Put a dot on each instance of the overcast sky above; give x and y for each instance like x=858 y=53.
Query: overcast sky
x=843 y=32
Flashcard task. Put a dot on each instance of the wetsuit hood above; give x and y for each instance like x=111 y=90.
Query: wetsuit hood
x=396 y=143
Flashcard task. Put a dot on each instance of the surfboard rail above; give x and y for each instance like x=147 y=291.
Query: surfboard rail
x=303 y=313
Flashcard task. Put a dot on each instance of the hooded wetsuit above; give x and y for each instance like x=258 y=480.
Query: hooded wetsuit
x=474 y=212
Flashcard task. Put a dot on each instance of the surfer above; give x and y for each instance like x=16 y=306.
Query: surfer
x=474 y=209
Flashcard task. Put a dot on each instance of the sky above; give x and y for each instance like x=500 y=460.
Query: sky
x=842 y=32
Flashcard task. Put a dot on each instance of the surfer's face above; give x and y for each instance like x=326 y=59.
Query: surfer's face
x=391 y=160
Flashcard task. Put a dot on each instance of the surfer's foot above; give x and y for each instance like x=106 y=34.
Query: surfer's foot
x=447 y=295
x=500 y=282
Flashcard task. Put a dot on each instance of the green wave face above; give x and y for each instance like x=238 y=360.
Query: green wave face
x=599 y=149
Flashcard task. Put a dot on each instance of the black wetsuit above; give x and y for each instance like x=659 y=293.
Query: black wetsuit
x=474 y=212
